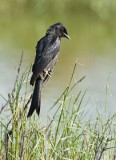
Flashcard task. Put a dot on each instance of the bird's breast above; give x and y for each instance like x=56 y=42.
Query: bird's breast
x=55 y=46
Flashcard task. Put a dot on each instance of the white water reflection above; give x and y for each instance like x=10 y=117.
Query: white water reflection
x=100 y=71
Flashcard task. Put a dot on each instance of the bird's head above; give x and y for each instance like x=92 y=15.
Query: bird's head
x=58 y=29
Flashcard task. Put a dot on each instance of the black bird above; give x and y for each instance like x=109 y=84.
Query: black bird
x=46 y=57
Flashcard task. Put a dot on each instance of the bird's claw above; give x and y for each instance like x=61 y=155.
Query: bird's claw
x=47 y=72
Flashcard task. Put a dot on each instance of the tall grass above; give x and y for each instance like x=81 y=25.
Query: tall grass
x=67 y=136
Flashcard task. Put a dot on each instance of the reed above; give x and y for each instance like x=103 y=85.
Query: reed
x=67 y=135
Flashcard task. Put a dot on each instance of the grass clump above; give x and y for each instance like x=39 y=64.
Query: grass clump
x=67 y=135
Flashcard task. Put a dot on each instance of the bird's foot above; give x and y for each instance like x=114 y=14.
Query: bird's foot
x=47 y=73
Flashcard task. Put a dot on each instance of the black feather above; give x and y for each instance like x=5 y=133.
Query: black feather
x=46 y=57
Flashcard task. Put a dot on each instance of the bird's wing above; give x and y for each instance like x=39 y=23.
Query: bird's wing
x=47 y=48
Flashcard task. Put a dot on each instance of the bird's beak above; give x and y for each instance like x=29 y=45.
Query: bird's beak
x=67 y=36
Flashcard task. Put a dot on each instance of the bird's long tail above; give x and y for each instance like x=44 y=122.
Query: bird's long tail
x=36 y=98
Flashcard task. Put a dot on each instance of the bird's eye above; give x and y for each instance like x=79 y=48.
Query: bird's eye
x=64 y=30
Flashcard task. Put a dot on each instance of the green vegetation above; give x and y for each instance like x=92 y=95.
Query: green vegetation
x=40 y=7
x=23 y=22
x=67 y=135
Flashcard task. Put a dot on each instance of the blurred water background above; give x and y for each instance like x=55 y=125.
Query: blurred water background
x=91 y=25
